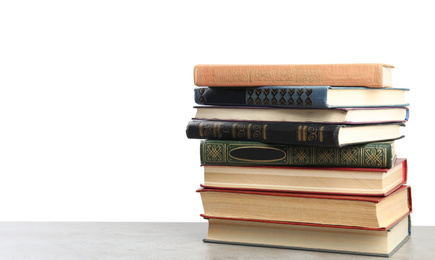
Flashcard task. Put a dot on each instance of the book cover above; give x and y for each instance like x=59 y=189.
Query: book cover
x=284 y=133
x=320 y=180
x=366 y=115
x=373 y=199
x=224 y=152
x=374 y=75
x=306 y=236
x=324 y=209
x=387 y=228
x=286 y=96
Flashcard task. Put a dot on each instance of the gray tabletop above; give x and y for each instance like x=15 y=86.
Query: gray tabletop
x=86 y=241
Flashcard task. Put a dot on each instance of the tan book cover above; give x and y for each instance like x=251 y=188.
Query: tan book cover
x=375 y=75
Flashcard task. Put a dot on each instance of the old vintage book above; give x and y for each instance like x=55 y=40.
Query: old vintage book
x=355 y=240
x=302 y=96
x=331 y=116
x=330 y=180
x=368 y=155
x=292 y=133
x=374 y=75
x=340 y=210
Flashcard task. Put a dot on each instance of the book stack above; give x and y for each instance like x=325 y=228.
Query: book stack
x=302 y=156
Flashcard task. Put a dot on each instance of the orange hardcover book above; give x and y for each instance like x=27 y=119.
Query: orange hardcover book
x=375 y=75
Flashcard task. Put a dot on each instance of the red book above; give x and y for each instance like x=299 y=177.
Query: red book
x=335 y=210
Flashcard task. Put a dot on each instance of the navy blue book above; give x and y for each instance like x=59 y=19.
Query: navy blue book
x=301 y=96
x=292 y=133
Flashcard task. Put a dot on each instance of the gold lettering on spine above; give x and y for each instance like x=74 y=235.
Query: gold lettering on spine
x=214 y=130
x=299 y=133
x=321 y=134
x=219 y=130
x=304 y=134
x=234 y=130
x=264 y=132
x=200 y=129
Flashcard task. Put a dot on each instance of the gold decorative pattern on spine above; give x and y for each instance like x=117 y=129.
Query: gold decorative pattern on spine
x=219 y=130
x=312 y=133
x=200 y=129
x=309 y=133
x=299 y=133
x=304 y=134
x=264 y=132
x=321 y=134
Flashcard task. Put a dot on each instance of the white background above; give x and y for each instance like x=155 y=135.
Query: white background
x=95 y=95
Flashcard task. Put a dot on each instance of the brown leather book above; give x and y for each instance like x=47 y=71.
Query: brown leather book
x=375 y=75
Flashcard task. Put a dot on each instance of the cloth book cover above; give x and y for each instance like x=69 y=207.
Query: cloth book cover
x=376 y=75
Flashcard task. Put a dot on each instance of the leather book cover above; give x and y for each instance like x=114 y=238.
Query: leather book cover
x=224 y=152
x=268 y=132
x=279 y=96
x=369 y=75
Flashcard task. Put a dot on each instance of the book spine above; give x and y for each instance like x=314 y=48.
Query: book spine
x=297 y=97
x=266 y=132
x=234 y=153
x=369 y=75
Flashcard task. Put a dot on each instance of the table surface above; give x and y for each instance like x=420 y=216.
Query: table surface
x=148 y=240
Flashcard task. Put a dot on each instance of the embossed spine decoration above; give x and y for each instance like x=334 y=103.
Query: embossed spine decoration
x=267 y=132
x=369 y=75
x=371 y=155
x=310 y=97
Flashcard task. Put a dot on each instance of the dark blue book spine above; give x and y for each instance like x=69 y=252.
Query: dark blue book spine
x=297 y=97
x=266 y=132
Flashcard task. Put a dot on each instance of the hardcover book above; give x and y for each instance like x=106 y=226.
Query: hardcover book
x=307 y=115
x=302 y=96
x=355 y=240
x=374 y=75
x=292 y=133
x=350 y=181
x=339 y=210
x=369 y=155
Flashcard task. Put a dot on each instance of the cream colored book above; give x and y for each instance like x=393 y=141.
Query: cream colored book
x=382 y=242
x=329 y=180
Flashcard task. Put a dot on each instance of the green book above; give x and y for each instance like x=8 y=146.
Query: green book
x=369 y=155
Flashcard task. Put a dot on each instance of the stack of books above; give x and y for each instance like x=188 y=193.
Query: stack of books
x=303 y=156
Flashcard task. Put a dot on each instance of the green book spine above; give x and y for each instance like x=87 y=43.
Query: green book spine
x=370 y=155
